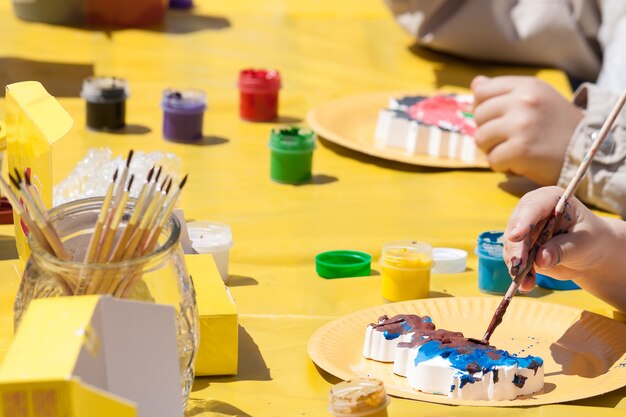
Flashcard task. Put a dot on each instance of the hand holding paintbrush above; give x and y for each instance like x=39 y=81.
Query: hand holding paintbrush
x=545 y=229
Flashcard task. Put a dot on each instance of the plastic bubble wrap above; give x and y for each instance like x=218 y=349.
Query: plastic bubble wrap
x=93 y=174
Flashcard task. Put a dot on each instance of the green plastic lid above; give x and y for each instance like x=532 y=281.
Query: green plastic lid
x=342 y=264
x=292 y=139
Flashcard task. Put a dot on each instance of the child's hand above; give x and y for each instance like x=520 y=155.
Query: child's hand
x=580 y=244
x=524 y=126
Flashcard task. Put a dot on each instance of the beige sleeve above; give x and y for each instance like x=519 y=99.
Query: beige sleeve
x=604 y=185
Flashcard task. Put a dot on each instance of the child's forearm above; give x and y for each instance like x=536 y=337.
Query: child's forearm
x=606 y=277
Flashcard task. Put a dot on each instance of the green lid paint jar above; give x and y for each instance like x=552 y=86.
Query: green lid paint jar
x=292 y=155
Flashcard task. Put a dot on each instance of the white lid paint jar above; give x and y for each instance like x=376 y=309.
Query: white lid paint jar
x=214 y=238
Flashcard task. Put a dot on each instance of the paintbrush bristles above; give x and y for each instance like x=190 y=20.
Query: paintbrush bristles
x=122 y=230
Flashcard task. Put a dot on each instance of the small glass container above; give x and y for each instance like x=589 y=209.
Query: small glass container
x=406 y=266
x=159 y=277
x=359 y=397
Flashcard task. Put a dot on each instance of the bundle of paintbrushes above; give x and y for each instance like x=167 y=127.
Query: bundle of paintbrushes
x=125 y=230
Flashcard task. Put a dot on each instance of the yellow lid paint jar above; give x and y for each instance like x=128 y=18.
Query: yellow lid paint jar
x=406 y=266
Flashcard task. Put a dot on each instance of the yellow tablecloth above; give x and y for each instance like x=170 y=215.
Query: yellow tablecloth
x=323 y=49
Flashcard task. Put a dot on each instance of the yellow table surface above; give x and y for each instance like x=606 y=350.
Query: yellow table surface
x=324 y=49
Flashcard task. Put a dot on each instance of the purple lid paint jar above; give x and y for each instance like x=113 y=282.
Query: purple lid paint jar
x=106 y=102
x=183 y=111
x=181 y=4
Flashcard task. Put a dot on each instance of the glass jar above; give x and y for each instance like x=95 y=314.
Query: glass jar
x=159 y=277
x=359 y=397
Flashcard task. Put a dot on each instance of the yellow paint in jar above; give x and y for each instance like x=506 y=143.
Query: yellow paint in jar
x=406 y=269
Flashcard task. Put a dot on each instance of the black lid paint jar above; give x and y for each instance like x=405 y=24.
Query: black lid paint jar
x=106 y=102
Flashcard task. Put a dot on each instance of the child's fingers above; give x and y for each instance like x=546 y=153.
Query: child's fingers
x=534 y=207
x=485 y=89
x=515 y=255
x=493 y=108
x=529 y=281
x=491 y=134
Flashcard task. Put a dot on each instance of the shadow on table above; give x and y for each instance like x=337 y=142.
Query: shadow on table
x=129 y=129
x=204 y=141
x=8 y=250
x=439 y=294
x=385 y=163
x=327 y=376
x=280 y=119
x=198 y=407
x=252 y=366
x=60 y=79
x=186 y=21
x=539 y=292
x=457 y=71
x=241 y=281
x=318 y=179
x=176 y=22
x=517 y=185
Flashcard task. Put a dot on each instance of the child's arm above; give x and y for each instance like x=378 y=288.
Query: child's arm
x=586 y=248
x=524 y=126
x=527 y=128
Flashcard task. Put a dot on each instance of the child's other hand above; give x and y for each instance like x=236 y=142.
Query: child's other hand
x=579 y=241
x=524 y=126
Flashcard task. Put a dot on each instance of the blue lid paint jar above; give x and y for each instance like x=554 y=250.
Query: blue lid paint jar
x=555 y=284
x=493 y=274
x=106 y=102
x=183 y=112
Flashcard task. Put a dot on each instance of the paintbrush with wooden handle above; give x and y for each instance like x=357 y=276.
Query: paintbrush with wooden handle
x=548 y=225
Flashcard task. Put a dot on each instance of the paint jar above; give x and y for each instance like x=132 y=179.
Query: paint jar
x=359 y=397
x=214 y=238
x=181 y=4
x=291 y=155
x=106 y=102
x=124 y=13
x=493 y=274
x=50 y=11
x=405 y=268
x=555 y=284
x=258 y=94
x=183 y=111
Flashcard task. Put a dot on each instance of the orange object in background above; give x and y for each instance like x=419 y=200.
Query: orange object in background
x=125 y=13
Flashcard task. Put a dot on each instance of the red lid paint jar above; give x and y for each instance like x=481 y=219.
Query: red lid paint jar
x=183 y=111
x=106 y=102
x=258 y=94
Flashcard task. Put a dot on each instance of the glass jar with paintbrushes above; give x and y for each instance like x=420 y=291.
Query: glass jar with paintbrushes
x=111 y=245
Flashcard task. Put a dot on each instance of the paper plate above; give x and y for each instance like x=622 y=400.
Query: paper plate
x=351 y=121
x=584 y=353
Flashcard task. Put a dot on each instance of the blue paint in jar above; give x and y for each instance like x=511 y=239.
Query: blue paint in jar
x=493 y=274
